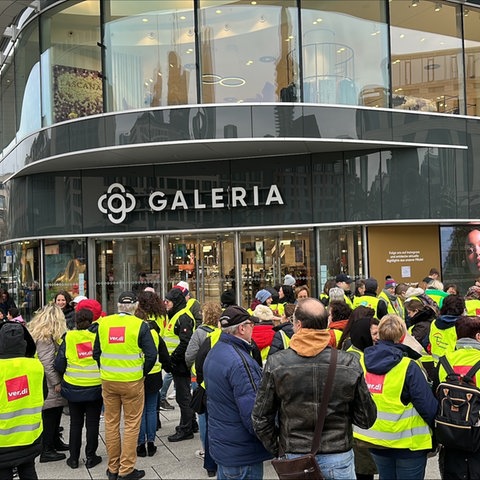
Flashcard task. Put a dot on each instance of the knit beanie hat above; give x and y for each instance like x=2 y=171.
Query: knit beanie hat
x=228 y=297
x=263 y=295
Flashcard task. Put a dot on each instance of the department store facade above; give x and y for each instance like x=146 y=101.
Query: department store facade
x=230 y=142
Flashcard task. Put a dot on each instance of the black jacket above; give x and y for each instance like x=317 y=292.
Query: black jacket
x=153 y=381
x=287 y=403
x=277 y=342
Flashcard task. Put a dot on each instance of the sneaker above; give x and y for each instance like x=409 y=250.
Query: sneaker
x=200 y=454
x=133 y=475
x=179 y=436
x=141 y=450
x=93 y=461
x=164 y=405
x=111 y=476
x=151 y=449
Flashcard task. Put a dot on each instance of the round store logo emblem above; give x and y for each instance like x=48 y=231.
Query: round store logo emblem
x=118 y=203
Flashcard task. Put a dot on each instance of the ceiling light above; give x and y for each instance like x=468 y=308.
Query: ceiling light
x=415 y=3
x=438 y=6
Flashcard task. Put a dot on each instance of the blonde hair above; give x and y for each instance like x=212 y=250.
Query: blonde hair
x=48 y=323
x=211 y=312
x=391 y=327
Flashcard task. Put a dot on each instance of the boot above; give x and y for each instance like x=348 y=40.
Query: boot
x=151 y=449
x=51 y=456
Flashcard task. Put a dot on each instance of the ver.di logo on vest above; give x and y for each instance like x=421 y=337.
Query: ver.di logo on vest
x=117 y=202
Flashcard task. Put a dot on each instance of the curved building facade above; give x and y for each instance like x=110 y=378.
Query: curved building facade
x=229 y=142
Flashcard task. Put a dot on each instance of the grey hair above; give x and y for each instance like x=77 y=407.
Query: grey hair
x=127 y=307
x=232 y=330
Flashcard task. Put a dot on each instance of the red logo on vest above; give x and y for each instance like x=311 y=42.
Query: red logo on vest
x=17 y=388
x=116 y=335
x=374 y=382
x=84 y=350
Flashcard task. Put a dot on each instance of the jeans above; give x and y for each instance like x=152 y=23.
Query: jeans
x=334 y=465
x=148 y=426
x=90 y=413
x=129 y=397
x=390 y=468
x=247 y=472
x=167 y=380
x=26 y=471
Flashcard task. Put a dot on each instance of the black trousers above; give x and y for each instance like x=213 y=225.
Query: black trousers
x=26 y=471
x=183 y=398
x=88 y=413
x=51 y=421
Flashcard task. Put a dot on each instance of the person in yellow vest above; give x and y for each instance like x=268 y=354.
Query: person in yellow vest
x=192 y=303
x=283 y=331
x=472 y=301
x=125 y=352
x=387 y=296
x=324 y=297
x=149 y=311
x=369 y=298
x=443 y=335
x=401 y=437
x=23 y=388
x=177 y=334
x=458 y=464
x=344 y=282
x=81 y=386
x=263 y=332
x=338 y=316
x=435 y=291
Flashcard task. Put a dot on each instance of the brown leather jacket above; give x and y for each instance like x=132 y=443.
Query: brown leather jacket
x=287 y=402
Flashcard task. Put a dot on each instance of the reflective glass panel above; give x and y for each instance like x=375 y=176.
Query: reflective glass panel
x=249 y=51
x=344 y=51
x=151 y=54
x=71 y=62
x=7 y=83
x=471 y=29
x=426 y=62
x=27 y=75
x=65 y=267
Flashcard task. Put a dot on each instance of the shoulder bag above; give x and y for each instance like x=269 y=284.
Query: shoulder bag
x=306 y=466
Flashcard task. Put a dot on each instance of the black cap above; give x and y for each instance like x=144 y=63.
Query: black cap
x=127 y=297
x=235 y=315
x=342 y=277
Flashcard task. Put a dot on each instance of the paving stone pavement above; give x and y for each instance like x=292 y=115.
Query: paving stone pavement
x=172 y=460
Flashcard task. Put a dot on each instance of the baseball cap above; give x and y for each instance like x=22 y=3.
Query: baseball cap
x=342 y=277
x=235 y=315
x=78 y=299
x=127 y=297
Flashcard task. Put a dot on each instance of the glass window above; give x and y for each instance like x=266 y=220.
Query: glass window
x=27 y=77
x=249 y=51
x=151 y=54
x=65 y=267
x=71 y=62
x=426 y=56
x=344 y=52
x=7 y=80
x=472 y=59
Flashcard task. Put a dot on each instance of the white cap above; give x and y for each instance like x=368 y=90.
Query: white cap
x=183 y=285
x=79 y=298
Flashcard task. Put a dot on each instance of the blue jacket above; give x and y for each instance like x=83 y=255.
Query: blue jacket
x=231 y=393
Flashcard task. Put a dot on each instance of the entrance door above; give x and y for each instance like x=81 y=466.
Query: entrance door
x=205 y=262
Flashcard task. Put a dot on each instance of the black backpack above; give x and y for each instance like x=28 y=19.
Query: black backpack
x=457 y=423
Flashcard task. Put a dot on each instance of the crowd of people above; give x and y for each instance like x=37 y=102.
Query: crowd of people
x=250 y=381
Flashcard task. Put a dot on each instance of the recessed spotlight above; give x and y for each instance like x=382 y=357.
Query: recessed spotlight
x=145 y=20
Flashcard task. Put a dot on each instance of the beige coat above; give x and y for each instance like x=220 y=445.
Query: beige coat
x=46 y=351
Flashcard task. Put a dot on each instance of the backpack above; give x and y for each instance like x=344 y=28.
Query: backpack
x=457 y=423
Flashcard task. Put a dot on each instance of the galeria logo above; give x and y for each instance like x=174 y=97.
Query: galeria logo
x=118 y=203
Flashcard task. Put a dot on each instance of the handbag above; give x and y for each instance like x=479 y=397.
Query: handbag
x=199 y=400
x=306 y=467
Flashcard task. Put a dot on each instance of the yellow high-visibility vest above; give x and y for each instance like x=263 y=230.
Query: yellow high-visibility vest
x=171 y=340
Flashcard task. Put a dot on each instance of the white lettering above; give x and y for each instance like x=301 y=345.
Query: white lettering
x=217 y=198
x=238 y=195
x=179 y=201
x=196 y=200
x=274 y=196
x=255 y=196
x=18 y=392
x=156 y=204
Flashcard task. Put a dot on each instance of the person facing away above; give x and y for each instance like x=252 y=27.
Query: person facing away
x=287 y=402
x=23 y=388
x=81 y=387
x=401 y=436
x=455 y=463
x=232 y=377
x=125 y=352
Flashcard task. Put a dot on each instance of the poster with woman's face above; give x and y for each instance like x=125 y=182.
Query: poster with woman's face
x=472 y=251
